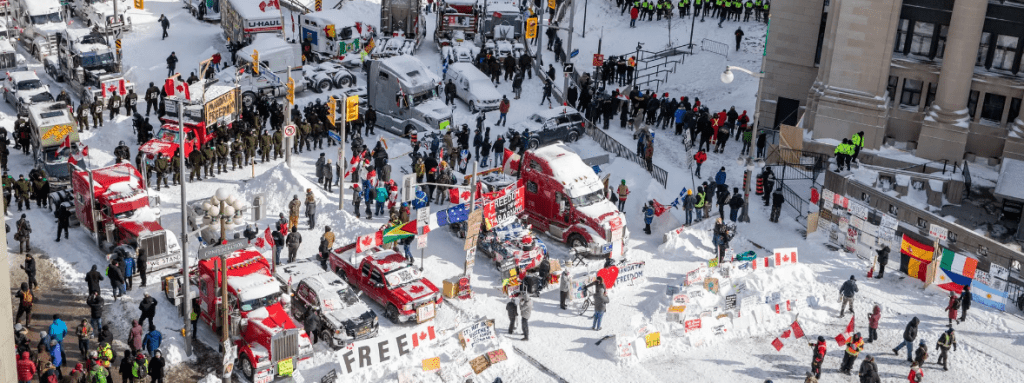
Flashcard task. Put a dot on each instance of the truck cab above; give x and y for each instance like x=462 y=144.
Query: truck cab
x=10 y=60
x=278 y=58
x=333 y=34
x=99 y=15
x=85 y=61
x=402 y=28
x=566 y=200
x=118 y=207
x=406 y=95
x=268 y=342
x=385 y=277
x=166 y=140
x=52 y=123
x=39 y=21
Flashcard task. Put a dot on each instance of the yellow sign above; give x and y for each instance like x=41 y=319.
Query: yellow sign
x=329 y=30
x=255 y=62
x=677 y=309
x=285 y=367
x=224 y=106
x=58 y=132
x=370 y=45
x=653 y=339
x=319 y=5
x=531 y=28
x=117 y=43
x=139 y=4
x=551 y=4
x=332 y=109
x=351 y=108
x=432 y=364
x=291 y=90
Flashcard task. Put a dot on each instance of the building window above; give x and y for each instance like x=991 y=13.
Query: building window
x=921 y=223
x=901 y=35
x=972 y=103
x=982 y=49
x=1005 y=52
x=891 y=89
x=911 y=96
x=1014 y=109
x=940 y=49
x=932 y=88
x=921 y=44
x=992 y=109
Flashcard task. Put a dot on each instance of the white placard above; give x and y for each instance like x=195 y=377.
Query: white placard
x=937 y=231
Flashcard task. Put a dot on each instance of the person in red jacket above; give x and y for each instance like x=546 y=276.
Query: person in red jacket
x=952 y=308
x=873 y=319
x=633 y=14
x=26 y=369
x=916 y=375
x=819 y=356
x=699 y=158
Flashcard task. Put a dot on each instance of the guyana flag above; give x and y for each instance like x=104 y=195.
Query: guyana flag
x=399 y=232
x=915 y=257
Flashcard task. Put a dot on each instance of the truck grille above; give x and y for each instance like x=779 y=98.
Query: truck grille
x=284 y=345
x=155 y=245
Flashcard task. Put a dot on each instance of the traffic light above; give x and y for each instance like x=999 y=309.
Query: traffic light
x=291 y=91
x=351 y=108
x=531 y=28
x=332 y=106
x=255 y=62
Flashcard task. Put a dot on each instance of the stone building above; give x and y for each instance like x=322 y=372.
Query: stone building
x=940 y=76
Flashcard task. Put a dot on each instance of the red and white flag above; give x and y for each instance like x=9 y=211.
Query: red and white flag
x=761 y=263
x=66 y=144
x=785 y=256
x=174 y=87
x=268 y=237
x=368 y=241
x=458 y=195
x=798 y=331
x=841 y=338
x=777 y=344
x=84 y=151
x=423 y=337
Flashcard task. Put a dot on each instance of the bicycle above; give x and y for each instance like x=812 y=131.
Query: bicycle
x=585 y=305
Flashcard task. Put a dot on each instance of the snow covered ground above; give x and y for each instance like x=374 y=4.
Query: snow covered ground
x=562 y=346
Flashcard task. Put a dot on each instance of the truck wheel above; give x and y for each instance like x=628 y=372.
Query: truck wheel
x=345 y=82
x=533 y=144
x=577 y=240
x=326 y=336
x=392 y=313
x=246 y=366
x=248 y=99
x=573 y=136
x=324 y=86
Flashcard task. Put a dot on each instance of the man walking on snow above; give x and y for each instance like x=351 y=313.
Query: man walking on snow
x=909 y=335
x=623 y=192
x=848 y=290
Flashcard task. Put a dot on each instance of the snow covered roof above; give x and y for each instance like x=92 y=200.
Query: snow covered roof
x=5 y=46
x=256 y=9
x=1011 y=177
x=338 y=17
x=22 y=76
x=569 y=169
x=411 y=69
x=42 y=7
x=470 y=72
x=253 y=286
x=388 y=260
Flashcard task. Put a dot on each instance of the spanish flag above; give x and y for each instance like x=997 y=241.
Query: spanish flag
x=916 y=249
x=915 y=258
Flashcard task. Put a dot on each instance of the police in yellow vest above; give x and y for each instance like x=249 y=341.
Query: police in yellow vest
x=699 y=206
x=858 y=143
x=844 y=152
x=757 y=10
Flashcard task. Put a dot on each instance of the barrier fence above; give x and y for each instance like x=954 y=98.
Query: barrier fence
x=613 y=146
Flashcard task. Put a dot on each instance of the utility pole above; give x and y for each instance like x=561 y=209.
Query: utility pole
x=186 y=300
x=225 y=321
x=568 y=43
x=341 y=161
x=288 y=121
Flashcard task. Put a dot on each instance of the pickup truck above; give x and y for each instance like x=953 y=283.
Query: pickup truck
x=344 y=318
x=385 y=277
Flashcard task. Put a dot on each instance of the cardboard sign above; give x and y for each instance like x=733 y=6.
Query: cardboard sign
x=382 y=350
x=653 y=339
x=695 y=277
x=677 y=309
x=680 y=300
x=720 y=329
x=432 y=364
x=623 y=347
x=496 y=356
x=479 y=364
x=479 y=332
x=285 y=367
x=730 y=302
x=711 y=284
x=692 y=324
x=631 y=272
x=937 y=231
x=222 y=107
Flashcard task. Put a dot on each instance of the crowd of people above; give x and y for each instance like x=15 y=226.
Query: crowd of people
x=723 y=10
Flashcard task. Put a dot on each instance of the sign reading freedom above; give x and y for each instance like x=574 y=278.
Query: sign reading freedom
x=220 y=107
x=377 y=351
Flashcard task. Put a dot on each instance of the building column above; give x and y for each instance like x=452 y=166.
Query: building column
x=947 y=123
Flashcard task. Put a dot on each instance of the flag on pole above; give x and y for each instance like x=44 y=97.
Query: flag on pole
x=66 y=144
x=268 y=237
x=841 y=338
x=798 y=331
x=174 y=87
x=777 y=344
x=368 y=241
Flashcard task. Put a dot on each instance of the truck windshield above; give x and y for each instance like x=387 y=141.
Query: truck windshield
x=44 y=19
x=96 y=60
x=167 y=135
x=30 y=84
x=343 y=298
x=420 y=98
x=259 y=303
x=51 y=155
x=588 y=199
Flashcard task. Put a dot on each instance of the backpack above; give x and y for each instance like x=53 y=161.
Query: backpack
x=723 y=130
x=129 y=266
x=52 y=378
x=26 y=298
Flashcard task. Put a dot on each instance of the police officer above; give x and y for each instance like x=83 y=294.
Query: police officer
x=278 y=143
x=152 y=95
x=250 y=146
x=114 y=105
x=82 y=114
x=161 y=164
x=222 y=156
x=121 y=152
x=210 y=155
x=97 y=113
x=22 y=188
x=176 y=167
x=237 y=154
x=196 y=158
x=131 y=101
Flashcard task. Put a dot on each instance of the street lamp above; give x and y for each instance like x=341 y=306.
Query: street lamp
x=727 y=76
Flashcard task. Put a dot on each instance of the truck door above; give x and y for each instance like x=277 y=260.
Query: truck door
x=563 y=207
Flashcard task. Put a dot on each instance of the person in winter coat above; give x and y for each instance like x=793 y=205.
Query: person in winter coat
x=819 y=349
x=310 y=208
x=58 y=329
x=909 y=335
x=688 y=205
x=148 y=308
x=24 y=231
x=26 y=300
x=946 y=340
x=26 y=369
x=49 y=373
x=83 y=332
x=165 y=24
x=699 y=159
x=172 y=61
x=600 y=306
x=513 y=311
x=293 y=241
x=648 y=218
x=853 y=348
x=156 y=367
x=623 y=192
x=95 y=303
x=564 y=284
x=125 y=368
x=848 y=290
x=921 y=354
x=869 y=371
x=106 y=336
x=965 y=303
x=320 y=162
x=777 y=200
x=883 y=258
x=876 y=315
x=952 y=307
x=135 y=336
x=916 y=375
x=525 y=309
x=735 y=203
x=152 y=340
x=293 y=212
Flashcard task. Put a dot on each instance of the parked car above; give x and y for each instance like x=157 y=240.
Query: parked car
x=386 y=278
x=551 y=125
x=343 y=316
x=22 y=89
x=473 y=87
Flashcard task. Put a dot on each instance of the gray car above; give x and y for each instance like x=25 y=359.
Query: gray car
x=551 y=125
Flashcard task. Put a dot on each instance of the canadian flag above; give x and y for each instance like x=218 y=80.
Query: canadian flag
x=368 y=241
x=268 y=237
x=777 y=344
x=794 y=330
x=458 y=195
x=66 y=144
x=841 y=338
x=763 y=263
x=511 y=162
x=173 y=86
x=785 y=256
x=423 y=337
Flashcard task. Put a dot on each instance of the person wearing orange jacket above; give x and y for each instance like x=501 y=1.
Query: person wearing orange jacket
x=853 y=348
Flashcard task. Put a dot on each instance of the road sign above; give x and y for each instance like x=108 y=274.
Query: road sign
x=230 y=246
x=552 y=4
x=351 y=108
x=531 y=28
x=574 y=53
x=290 y=96
x=333 y=135
x=319 y=5
x=598 y=59
x=289 y=130
x=139 y=4
x=568 y=68
x=117 y=44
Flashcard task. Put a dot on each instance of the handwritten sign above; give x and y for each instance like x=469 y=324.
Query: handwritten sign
x=285 y=367
x=222 y=107
x=479 y=332
x=432 y=364
x=630 y=272
x=692 y=324
x=680 y=299
x=677 y=309
x=653 y=339
x=711 y=284
x=623 y=347
x=730 y=301
x=479 y=364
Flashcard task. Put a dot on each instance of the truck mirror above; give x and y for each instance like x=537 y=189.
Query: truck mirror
x=378 y=285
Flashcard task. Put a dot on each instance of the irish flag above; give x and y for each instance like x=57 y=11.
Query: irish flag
x=957 y=271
